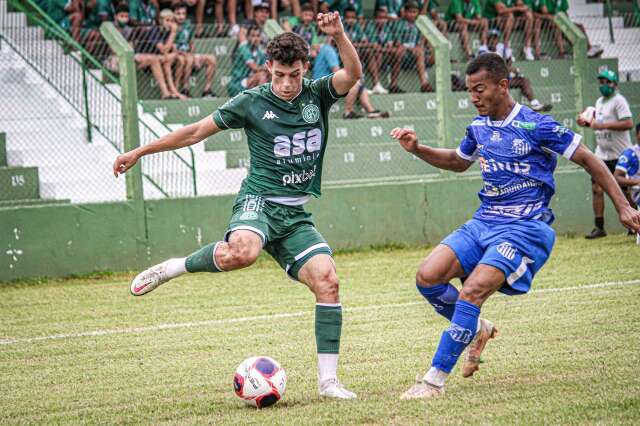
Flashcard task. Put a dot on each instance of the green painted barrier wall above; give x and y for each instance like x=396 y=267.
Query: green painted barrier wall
x=61 y=240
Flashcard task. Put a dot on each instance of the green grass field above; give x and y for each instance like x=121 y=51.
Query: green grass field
x=84 y=350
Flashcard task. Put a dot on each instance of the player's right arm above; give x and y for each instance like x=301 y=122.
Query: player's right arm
x=442 y=158
x=183 y=137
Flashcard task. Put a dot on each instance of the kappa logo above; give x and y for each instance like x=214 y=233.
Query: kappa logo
x=520 y=147
x=269 y=115
x=507 y=250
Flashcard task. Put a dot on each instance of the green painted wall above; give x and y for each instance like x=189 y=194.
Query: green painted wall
x=61 y=240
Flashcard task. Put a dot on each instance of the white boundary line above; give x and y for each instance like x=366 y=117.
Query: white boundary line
x=159 y=327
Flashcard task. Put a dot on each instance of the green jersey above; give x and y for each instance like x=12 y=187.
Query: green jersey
x=184 y=34
x=287 y=139
x=407 y=33
x=245 y=54
x=55 y=9
x=490 y=11
x=142 y=11
x=102 y=11
x=536 y=5
x=557 y=6
x=342 y=5
x=354 y=32
x=380 y=34
x=470 y=9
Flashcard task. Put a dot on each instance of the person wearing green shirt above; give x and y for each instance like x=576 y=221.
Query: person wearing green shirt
x=466 y=15
x=411 y=49
x=248 y=64
x=143 y=12
x=380 y=32
x=511 y=14
x=190 y=60
x=287 y=126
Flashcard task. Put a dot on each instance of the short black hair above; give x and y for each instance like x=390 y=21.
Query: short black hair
x=350 y=9
x=122 y=7
x=179 y=5
x=307 y=7
x=288 y=48
x=638 y=128
x=490 y=62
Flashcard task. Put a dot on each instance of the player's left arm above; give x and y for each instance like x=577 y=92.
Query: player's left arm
x=344 y=79
x=629 y=216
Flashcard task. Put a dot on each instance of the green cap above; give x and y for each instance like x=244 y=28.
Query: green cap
x=609 y=75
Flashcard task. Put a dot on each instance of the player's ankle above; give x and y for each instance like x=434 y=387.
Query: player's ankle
x=435 y=377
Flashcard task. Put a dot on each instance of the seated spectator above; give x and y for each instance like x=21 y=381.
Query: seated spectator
x=232 y=12
x=249 y=68
x=516 y=79
x=307 y=28
x=198 y=5
x=94 y=13
x=380 y=33
x=184 y=47
x=285 y=8
x=143 y=59
x=410 y=49
x=260 y=17
x=341 y=6
x=143 y=12
x=627 y=171
x=66 y=13
x=328 y=62
x=430 y=8
x=368 y=52
x=542 y=15
x=556 y=6
x=465 y=15
x=511 y=14
x=393 y=8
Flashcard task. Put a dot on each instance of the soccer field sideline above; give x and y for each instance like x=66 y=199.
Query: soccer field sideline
x=160 y=327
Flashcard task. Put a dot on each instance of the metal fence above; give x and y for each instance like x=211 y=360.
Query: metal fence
x=65 y=119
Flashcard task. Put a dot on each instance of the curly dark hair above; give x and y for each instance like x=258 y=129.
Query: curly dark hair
x=288 y=48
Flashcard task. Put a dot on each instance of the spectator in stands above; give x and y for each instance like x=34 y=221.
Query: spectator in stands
x=393 y=8
x=511 y=14
x=93 y=13
x=410 y=49
x=328 y=62
x=541 y=15
x=279 y=7
x=367 y=51
x=143 y=12
x=143 y=58
x=627 y=172
x=66 y=13
x=611 y=123
x=260 y=17
x=556 y=6
x=380 y=34
x=191 y=60
x=466 y=15
x=430 y=8
x=198 y=5
x=306 y=27
x=249 y=68
x=341 y=6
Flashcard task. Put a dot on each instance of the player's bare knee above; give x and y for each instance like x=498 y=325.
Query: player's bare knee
x=428 y=277
x=473 y=293
x=327 y=287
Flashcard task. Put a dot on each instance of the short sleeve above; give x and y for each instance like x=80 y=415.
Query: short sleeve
x=325 y=90
x=456 y=8
x=553 y=136
x=246 y=55
x=623 y=111
x=233 y=113
x=626 y=163
x=468 y=147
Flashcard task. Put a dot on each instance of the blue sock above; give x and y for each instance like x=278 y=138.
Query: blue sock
x=443 y=298
x=454 y=339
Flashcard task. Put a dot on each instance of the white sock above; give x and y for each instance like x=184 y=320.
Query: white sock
x=327 y=366
x=176 y=267
x=435 y=377
x=535 y=102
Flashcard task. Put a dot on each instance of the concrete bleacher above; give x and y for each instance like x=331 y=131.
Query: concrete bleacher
x=18 y=185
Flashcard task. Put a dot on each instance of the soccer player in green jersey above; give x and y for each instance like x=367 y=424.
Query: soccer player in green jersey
x=286 y=122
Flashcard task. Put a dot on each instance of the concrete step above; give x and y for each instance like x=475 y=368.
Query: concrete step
x=599 y=23
x=79 y=157
x=629 y=37
x=591 y=9
x=83 y=190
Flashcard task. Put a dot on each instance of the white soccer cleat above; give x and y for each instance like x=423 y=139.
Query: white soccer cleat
x=379 y=90
x=528 y=54
x=422 y=390
x=332 y=388
x=150 y=279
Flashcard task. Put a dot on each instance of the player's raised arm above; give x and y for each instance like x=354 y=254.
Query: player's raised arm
x=629 y=216
x=185 y=136
x=441 y=158
x=344 y=79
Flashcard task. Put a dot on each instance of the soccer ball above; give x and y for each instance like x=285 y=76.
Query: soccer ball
x=260 y=381
x=588 y=114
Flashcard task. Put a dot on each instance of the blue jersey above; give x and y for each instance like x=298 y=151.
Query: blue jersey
x=629 y=163
x=517 y=157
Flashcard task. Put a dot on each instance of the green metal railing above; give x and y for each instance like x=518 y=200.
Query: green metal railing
x=93 y=91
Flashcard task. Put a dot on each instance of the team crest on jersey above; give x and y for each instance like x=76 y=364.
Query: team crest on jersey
x=311 y=113
x=520 y=147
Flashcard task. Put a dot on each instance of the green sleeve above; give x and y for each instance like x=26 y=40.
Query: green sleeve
x=455 y=8
x=323 y=88
x=477 y=8
x=245 y=54
x=233 y=114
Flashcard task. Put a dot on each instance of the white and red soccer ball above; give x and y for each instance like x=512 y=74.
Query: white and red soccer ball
x=260 y=381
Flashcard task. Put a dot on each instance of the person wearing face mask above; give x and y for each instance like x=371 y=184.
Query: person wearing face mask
x=611 y=123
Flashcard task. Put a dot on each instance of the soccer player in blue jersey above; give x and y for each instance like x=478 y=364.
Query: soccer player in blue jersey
x=509 y=238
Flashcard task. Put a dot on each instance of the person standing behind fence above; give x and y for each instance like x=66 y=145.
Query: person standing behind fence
x=184 y=46
x=465 y=15
x=611 y=123
x=627 y=172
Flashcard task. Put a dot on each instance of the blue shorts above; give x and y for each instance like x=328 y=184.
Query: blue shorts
x=519 y=249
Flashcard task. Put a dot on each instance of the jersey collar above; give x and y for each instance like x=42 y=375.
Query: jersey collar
x=292 y=99
x=504 y=123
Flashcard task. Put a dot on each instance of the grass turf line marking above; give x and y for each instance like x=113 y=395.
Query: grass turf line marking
x=136 y=330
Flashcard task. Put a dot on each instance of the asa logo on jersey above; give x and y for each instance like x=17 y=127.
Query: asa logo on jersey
x=299 y=178
x=300 y=142
x=311 y=113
